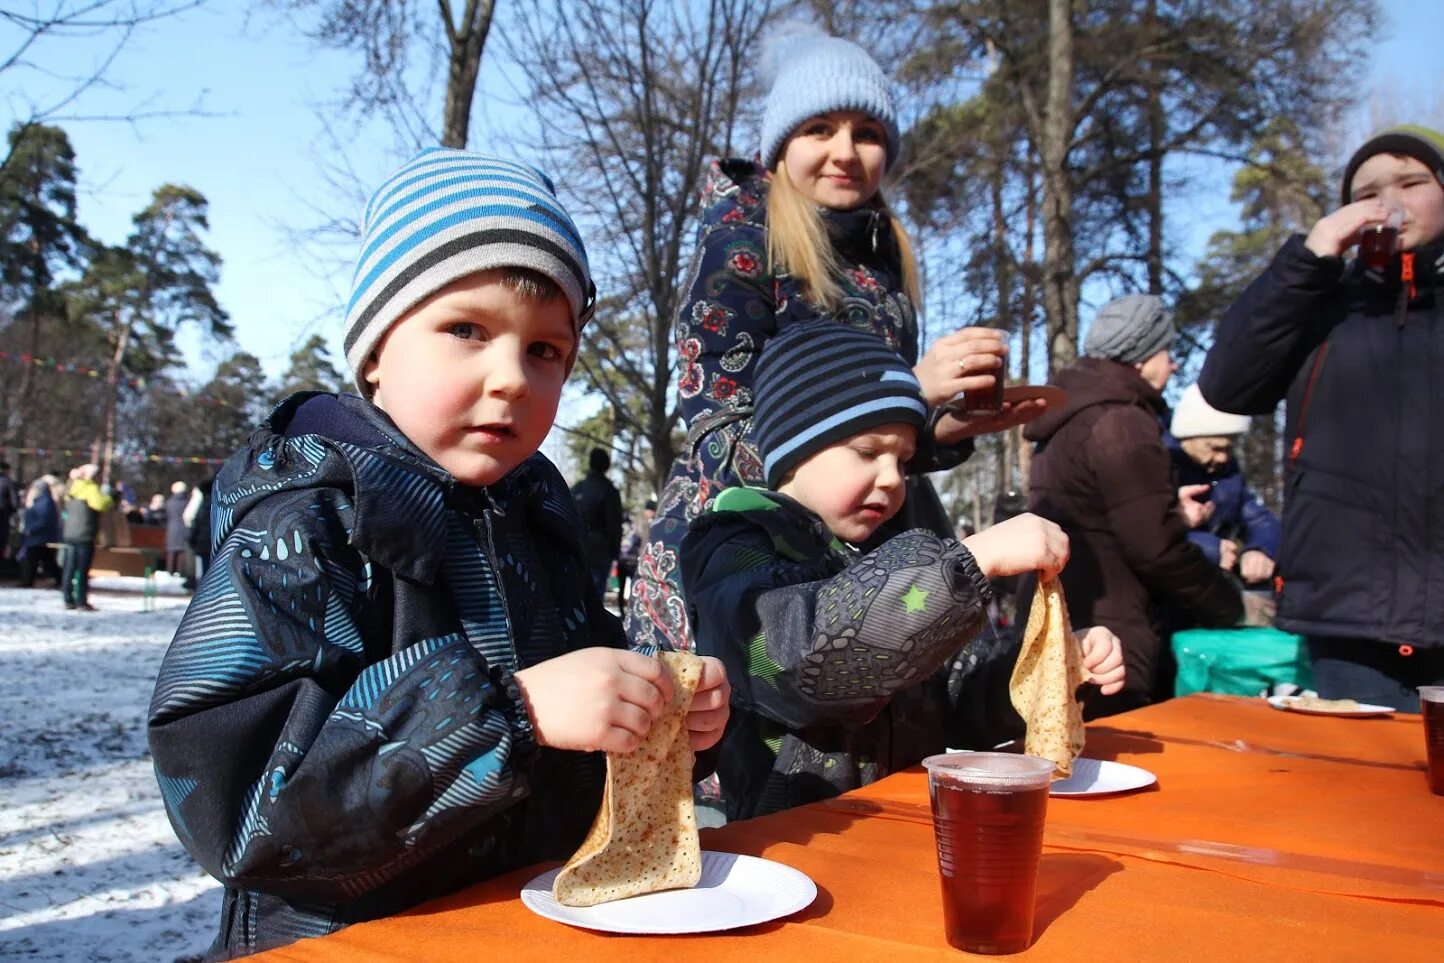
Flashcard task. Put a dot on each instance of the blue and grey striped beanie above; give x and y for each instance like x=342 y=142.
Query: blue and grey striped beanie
x=819 y=382
x=817 y=74
x=449 y=213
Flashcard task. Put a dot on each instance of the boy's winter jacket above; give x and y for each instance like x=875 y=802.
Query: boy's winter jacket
x=1358 y=357
x=336 y=728
x=844 y=666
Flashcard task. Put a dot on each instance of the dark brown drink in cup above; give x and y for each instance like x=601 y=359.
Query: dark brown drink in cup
x=988 y=816
x=1378 y=242
x=1431 y=700
x=985 y=401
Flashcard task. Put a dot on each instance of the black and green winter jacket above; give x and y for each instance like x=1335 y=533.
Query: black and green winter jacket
x=844 y=666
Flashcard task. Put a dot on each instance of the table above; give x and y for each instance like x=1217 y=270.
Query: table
x=1269 y=833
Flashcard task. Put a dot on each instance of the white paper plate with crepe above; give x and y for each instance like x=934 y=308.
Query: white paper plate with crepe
x=735 y=890
x=1327 y=707
x=1098 y=777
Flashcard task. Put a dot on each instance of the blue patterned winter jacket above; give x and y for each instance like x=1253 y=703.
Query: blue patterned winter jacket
x=336 y=729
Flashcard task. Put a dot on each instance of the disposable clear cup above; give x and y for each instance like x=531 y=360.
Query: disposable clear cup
x=988 y=813
x=1431 y=702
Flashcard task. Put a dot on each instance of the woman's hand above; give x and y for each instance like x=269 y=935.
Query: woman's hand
x=955 y=426
x=970 y=359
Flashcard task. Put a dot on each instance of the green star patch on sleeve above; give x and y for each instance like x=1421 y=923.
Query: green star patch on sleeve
x=916 y=600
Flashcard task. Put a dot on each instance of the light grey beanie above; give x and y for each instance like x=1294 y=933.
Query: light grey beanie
x=816 y=74
x=1129 y=329
x=450 y=213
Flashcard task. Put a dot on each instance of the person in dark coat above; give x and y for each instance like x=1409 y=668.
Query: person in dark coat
x=1101 y=472
x=396 y=679
x=600 y=505
x=1228 y=520
x=39 y=529
x=177 y=534
x=1356 y=347
x=9 y=505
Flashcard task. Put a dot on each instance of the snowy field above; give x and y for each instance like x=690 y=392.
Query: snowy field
x=89 y=867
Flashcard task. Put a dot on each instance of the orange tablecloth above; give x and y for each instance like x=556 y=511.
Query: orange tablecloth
x=1268 y=833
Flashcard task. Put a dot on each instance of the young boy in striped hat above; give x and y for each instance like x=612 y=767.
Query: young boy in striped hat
x=847 y=664
x=364 y=705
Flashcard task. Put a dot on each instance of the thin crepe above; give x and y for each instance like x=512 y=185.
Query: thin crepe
x=644 y=838
x=1045 y=681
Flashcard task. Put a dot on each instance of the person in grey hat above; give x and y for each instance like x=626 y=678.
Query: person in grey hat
x=1101 y=471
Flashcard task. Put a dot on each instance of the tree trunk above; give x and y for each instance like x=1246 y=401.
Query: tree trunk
x=1157 y=129
x=466 y=46
x=1060 y=279
x=1025 y=324
x=103 y=451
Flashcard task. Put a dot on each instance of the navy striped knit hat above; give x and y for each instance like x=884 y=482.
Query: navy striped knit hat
x=449 y=213
x=821 y=381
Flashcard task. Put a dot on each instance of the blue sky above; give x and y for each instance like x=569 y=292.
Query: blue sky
x=255 y=159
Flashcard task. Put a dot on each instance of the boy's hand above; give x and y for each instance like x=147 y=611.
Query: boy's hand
x=1337 y=232
x=1103 y=659
x=1021 y=544
x=708 y=715
x=595 y=699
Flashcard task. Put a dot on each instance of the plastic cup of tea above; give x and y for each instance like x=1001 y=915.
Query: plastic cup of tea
x=1378 y=242
x=988 y=812
x=1431 y=701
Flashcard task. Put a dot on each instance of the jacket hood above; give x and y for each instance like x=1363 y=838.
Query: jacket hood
x=1094 y=381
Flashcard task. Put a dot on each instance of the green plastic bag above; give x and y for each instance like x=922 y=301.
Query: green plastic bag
x=1239 y=661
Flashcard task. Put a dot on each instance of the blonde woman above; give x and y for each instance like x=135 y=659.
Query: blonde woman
x=805 y=234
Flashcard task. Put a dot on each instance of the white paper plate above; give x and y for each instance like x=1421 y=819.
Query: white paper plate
x=1096 y=777
x=1291 y=704
x=734 y=891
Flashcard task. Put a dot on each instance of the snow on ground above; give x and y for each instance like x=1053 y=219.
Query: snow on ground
x=89 y=866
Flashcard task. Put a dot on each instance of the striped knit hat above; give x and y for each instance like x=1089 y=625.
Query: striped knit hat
x=447 y=214
x=821 y=381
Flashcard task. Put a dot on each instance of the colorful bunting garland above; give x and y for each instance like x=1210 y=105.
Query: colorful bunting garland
x=75 y=368
x=131 y=459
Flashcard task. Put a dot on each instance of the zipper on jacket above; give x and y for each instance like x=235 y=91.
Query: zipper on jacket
x=487 y=544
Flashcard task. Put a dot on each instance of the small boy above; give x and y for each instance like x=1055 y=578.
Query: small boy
x=849 y=666
x=1354 y=346
x=367 y=702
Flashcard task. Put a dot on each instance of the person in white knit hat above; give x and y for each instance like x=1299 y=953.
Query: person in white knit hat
x=1229 y=521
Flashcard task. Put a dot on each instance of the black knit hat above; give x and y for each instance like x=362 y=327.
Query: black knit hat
x=819 y=382
x=1424 y=145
